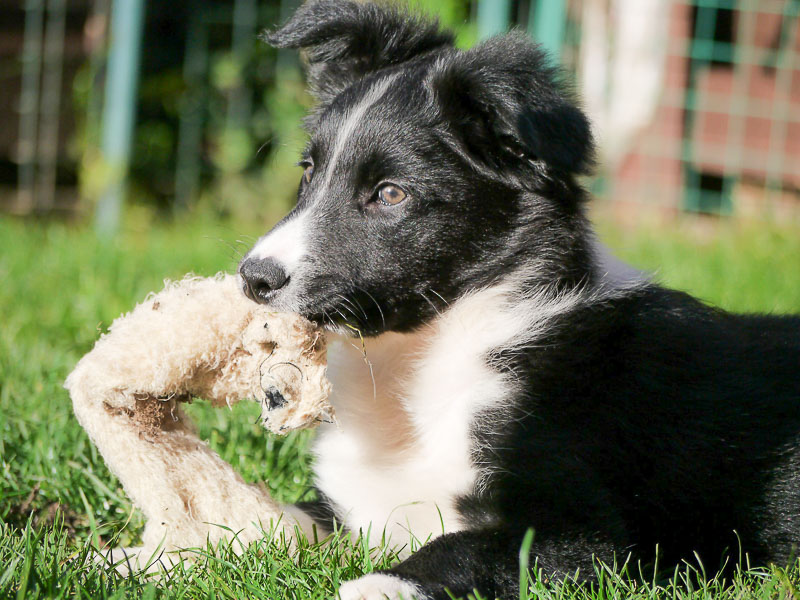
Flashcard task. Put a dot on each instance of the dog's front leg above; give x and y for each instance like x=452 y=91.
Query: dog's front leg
x=187 y=493
x=457 y=564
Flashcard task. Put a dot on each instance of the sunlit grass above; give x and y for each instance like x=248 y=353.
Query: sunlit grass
x=739 y=266
x=60 y=287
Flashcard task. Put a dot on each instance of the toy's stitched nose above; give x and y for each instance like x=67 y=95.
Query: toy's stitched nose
x=262 y=278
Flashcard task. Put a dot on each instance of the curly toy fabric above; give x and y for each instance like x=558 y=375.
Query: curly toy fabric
x=199 y=337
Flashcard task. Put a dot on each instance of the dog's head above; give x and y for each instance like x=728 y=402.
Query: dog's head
x=429 y=171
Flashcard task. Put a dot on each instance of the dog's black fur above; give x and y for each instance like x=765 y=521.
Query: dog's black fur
x=643 y=417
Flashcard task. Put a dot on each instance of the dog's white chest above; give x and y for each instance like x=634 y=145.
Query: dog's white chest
x=401 y=453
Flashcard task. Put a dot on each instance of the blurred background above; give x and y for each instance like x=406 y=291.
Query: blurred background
x=109 y=107
x=143 y=140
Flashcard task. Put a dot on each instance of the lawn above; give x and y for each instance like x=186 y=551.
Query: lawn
x=60 y=287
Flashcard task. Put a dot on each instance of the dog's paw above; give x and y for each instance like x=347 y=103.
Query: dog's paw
x=378 y=586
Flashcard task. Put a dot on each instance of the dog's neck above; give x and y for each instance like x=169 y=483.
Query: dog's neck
x=407 y=405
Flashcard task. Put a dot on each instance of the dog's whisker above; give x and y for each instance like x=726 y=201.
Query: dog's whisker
x=262 y=146
x=341 y=314
x=361 y=308
x=428 y=300
x=349 y=309
x=438 y=295
x=378 y=306
x=352 y=305
x=237 y=253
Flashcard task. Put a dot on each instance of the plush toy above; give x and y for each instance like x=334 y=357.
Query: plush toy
x=198 y=338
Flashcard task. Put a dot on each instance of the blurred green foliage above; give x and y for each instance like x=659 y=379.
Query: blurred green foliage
x=248 y=103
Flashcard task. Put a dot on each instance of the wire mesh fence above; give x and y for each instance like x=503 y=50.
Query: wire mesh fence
x=696 y=103
x=722 y=133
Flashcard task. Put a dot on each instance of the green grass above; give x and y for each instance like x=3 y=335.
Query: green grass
x=59 y=287
x=739 y=266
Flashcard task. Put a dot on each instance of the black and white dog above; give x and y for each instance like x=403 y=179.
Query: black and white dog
x=508 y=380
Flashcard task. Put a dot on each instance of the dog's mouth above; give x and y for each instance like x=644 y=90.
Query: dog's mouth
x=350 y=317
x=322 y=320
x=334 y=322
x=354 y=312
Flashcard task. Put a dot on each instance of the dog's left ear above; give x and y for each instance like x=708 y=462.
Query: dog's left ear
x=345 y=40
x=509 y=109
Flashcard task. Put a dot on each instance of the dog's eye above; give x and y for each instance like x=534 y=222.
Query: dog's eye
x=308 y=173
x=390 y=195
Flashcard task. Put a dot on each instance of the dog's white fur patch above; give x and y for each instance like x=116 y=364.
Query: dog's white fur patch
x=402 y=452
x=378 y=586
x=285 y=244
x=352 y=121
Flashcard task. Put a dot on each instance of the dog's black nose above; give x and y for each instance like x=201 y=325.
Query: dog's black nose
x=262 y=277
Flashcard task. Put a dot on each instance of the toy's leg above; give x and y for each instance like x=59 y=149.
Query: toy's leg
x=187 y=492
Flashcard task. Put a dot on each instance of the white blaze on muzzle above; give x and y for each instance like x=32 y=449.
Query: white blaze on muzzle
x=286 y=244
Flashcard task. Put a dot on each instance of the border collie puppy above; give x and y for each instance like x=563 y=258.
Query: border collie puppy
x=506 y=380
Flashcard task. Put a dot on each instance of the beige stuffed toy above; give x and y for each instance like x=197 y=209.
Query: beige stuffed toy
x=197 y=338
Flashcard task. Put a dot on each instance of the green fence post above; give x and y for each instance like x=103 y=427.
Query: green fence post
x=50 y=107
x=29 y=103
x=245 y=21
x=547 y=24
x=493 y=17
x=702 y=50
x=190 y=126
x=287 y=59
x=119 y=109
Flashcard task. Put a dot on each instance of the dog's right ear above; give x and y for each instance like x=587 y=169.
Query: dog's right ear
x=345 y=40
x=511 y=111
